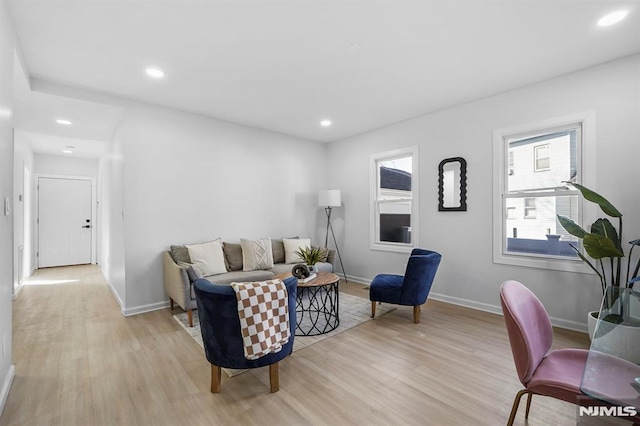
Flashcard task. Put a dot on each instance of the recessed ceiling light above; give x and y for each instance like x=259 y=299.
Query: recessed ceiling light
x=154 y=72
x=612 y=18
x=67 y=151
x=325 y=123
x=63 y=122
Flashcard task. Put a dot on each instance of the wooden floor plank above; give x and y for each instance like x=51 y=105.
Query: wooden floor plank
x=79 y=361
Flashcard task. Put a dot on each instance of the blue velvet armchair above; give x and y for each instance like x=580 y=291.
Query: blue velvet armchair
x=410 y=289
x=221 y=334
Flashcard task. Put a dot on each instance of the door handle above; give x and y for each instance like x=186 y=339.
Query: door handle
x=87 y=226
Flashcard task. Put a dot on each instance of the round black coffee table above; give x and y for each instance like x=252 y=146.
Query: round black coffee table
x=317 y=305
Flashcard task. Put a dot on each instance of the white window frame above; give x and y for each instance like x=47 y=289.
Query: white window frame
x=586 y=176
x=374 y=203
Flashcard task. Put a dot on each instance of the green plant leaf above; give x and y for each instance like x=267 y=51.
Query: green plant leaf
x=310 y=255
x=599 y=247
x=605 y=229
x=571 y=227
x=594 y=197
x=587 y=261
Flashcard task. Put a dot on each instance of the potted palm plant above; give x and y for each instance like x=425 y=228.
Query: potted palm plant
x=603 y=245
x=311 y=256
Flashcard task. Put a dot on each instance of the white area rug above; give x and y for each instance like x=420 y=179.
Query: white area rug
x=353 y=311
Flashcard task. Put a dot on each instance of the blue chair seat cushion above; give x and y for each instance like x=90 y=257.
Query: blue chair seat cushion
x=386 y=288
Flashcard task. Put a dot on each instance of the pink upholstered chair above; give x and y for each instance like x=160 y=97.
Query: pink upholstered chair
x=557 y=373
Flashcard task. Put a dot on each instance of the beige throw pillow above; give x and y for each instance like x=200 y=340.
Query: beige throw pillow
x=291 y=246
x=256 y=254
x=207 y=258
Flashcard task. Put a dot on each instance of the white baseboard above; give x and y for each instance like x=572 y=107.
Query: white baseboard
x=144 y=308
x=6 y=387
x=494 y=309
x=116 y=295
x=18 y=290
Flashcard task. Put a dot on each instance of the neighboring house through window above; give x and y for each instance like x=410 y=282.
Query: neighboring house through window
x=394 y=183
x=535 y=164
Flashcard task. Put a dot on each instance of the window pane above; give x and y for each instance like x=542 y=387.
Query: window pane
x=543 y=161
x=395 y=222
x=394 y=178
x=533 y=226
x=394 y=195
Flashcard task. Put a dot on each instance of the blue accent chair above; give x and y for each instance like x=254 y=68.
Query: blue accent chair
x=410 y=289
x=220 y=326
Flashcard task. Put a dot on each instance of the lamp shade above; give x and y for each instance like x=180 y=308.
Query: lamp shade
x=330 y=198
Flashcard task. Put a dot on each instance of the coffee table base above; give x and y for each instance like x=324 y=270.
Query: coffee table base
x=317 y=310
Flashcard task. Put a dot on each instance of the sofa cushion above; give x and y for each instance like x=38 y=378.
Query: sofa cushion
x=281 y=268
x=240 y=276
x=180 y=254
x=191 y=272
x=207 y=258
x=256 y=254
x=233 y=256
x=277 y=249
x=291 y=245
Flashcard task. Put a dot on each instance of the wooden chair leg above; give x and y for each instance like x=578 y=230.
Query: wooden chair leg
x=190 y=316
x=216 y=378
x=416 y=314
x=171 y=303
x=274 y=380
x=526 y=413
x=516 y=404
x=373 y=309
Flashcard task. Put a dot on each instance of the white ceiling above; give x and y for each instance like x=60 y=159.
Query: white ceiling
x=285 y=65
x=35 y=116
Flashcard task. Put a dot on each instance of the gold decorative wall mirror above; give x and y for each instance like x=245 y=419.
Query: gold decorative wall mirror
x=452 y=185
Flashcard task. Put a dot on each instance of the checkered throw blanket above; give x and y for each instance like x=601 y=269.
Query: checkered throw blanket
x=263 y=308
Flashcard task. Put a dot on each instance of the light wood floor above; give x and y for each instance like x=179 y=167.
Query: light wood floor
x=80 y=362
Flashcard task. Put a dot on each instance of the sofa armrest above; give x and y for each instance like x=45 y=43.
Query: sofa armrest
x=176 y=282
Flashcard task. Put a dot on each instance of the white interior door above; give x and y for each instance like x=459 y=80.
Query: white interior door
x=64 y=221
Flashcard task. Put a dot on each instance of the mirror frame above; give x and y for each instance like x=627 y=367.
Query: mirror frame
x=463 y=185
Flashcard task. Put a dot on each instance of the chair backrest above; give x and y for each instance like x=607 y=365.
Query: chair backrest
x=418 y=277
x=528 y=326
x=220 y=325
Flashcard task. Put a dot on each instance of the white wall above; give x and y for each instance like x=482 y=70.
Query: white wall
x=7 y=45
x=23 y=201
x=111 y=216
x=189 y=178
x=467 y=274
x=66 y=165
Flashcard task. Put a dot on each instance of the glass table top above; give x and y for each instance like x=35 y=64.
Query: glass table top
x=612 y=371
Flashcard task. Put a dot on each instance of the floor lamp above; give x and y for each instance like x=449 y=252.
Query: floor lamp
x=329 y=199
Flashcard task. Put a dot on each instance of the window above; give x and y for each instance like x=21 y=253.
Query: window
x=527 y=202
x=529 y=208
x=542 y=158
x=394 y=183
